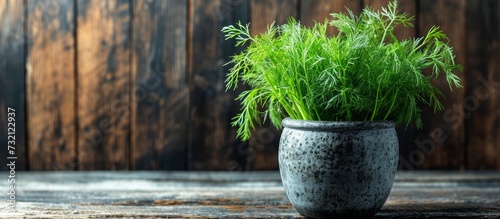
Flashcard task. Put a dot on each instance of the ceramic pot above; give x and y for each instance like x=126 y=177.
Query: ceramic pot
x=338 y=169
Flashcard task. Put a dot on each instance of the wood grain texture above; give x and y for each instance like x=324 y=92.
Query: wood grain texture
x=447 y=152
x=90 y=98
x=103 y=66
x=160 y=100
x=265 y=12
x=312 y=11
x=51 y=85
x=212 y=140
x=406 y=134
x=155 y=194
x=262 y=151
x=12 y=86
x=482 y=104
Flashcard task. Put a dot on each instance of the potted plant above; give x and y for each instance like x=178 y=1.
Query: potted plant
x=338 y=99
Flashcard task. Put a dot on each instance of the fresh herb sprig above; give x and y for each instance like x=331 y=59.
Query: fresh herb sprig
x=364 y=73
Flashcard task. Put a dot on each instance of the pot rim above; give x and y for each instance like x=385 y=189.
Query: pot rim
x=336 y=125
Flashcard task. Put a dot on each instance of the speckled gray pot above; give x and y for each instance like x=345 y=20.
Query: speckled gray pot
x=338 y=169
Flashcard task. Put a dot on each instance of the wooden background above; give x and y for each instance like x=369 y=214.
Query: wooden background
x=139 y=84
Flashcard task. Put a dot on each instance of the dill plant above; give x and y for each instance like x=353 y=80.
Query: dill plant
x=364 y=73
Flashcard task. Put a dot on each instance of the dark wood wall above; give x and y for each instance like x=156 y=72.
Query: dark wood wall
x=139 y=84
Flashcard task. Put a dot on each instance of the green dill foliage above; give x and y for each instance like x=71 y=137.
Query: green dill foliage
x=364 y=73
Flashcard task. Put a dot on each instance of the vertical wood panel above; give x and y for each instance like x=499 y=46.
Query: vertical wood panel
x=265 y=12
x=103 y=66
x=51 y=85
x=12 y=78
x=483 y=101
x=319 y=10
x=212 y=142
x=449 y=154
x=160 y=100
x=262 y=152
x=406 y=134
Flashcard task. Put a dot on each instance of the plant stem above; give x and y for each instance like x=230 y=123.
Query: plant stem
x=385 y=32
x=376 y=103
x=392 y=105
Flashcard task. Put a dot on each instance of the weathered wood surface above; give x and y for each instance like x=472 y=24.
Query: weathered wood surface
x=12 y=77
x=160 y=93
x=51 y=85
x=448 y=150
x=234 y=195
x=482 y=103
x=89 y=68
x=265 y=12
x=103 y=69
x=212 y=140
x=312 y=11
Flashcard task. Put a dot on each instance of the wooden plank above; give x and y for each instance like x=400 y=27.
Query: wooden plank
x=433 y=176
x=482 y=103
x=265 y=12
x=92 y=194
x=51 y=85
x=212 y=142
x=406 y=134
x=312 y=11
x=12 y=78
x=446 y=151
x=160 y=100
x=262 y=151
x=103 y=66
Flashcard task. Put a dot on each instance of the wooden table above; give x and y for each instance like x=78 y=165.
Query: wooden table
x=232 y=194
